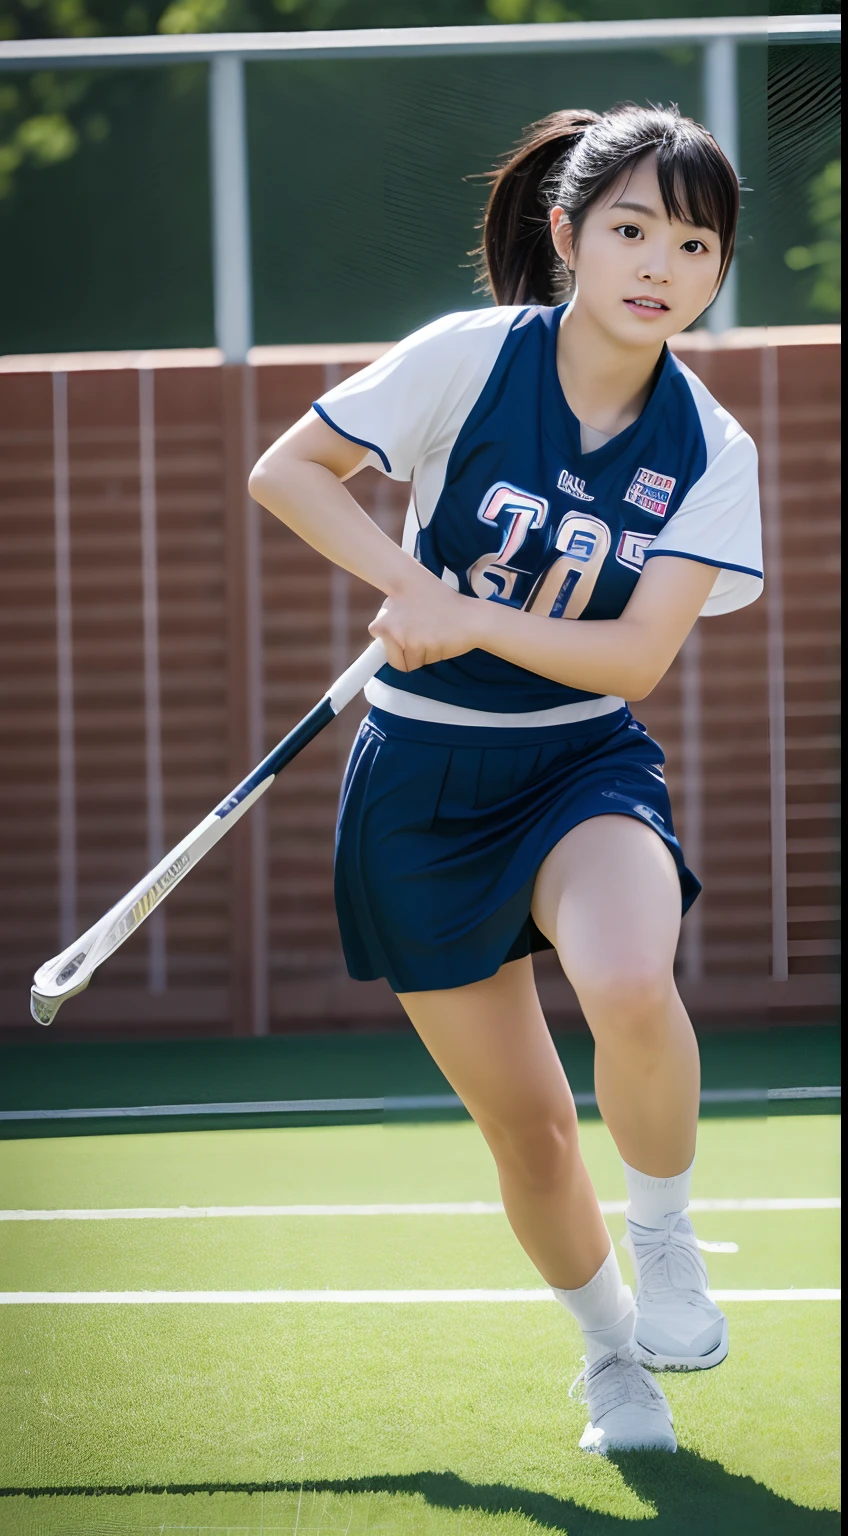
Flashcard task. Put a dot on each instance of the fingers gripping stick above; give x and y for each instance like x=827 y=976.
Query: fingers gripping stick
x=71 y=971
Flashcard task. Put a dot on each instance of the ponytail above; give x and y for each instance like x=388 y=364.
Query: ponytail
x=516 y=259
x=571 y=160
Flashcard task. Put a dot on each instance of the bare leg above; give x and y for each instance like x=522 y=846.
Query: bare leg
x=492 y=1043
x=608 y=898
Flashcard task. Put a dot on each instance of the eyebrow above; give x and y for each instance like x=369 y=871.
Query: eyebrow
x=651 y=213
x=637 y=208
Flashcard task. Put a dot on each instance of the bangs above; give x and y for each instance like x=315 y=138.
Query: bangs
x=697 y=183
x=572 y=159
x=699 y=186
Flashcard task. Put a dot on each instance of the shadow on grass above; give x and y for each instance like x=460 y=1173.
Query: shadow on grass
x=692 y=1497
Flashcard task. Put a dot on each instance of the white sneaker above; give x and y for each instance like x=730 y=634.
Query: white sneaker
x=627 y=1409
x=678 y=1325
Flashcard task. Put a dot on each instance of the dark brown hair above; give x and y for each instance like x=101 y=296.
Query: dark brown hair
x=570 y=160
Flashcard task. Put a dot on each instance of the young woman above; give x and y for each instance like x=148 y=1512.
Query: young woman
x=500 y=798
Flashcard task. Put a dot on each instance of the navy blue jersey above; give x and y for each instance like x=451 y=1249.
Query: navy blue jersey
x=508 y=508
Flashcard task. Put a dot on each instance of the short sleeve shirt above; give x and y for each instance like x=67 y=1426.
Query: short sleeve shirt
x=507 y=507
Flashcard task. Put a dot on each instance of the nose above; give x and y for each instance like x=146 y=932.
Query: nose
x=656 y=263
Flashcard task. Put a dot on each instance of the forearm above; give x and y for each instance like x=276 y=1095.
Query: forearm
x=312 y=501
x=602 y=656
x=423 y=620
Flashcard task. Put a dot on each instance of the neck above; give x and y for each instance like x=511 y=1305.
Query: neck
x=605 y=383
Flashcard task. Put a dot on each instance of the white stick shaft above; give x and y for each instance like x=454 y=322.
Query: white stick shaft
x=357 y=675
x=67 y=972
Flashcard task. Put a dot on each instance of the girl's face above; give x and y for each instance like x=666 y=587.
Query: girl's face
x=642 y=276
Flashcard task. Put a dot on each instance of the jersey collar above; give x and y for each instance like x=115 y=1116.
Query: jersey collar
x=563 y=426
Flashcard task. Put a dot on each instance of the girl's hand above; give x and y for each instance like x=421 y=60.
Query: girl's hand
x=424 y=621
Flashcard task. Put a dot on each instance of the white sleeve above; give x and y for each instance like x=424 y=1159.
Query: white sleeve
x=718 y=523
x=415 y=397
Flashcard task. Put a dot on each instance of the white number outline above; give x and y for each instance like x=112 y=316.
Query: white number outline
x=528 y=512
x=638 y=542
x=564 y=589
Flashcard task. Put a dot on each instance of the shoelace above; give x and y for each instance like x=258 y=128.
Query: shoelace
x=629 y=1382
x=657 y=1259
x=579 y=1381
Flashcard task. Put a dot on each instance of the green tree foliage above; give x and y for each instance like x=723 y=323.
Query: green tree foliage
x=822 y=257
x=47 y=116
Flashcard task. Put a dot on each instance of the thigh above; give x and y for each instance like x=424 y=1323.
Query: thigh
x=492 y=1043
x=608 y=898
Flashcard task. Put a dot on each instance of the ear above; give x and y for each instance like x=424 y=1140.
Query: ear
x=562 y=234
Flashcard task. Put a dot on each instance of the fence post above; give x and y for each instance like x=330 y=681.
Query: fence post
x=773 y=565
x=67 y=806
x=248 y=921
x=231 y=266
x=157 y=965
x=721 y=112
x=255 y=690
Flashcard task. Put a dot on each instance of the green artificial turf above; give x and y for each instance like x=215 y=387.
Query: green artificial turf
x=776 y=1250
x=464 y=1404
x=795 y=1155
x=423 y=1420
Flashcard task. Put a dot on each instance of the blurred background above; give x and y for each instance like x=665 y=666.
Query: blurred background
x=361 y=171
x=191 y=251
x=160 y=633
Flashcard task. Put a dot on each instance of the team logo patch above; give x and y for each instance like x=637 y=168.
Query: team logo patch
x=631 y=549
x=650 y=491
x=573 y=487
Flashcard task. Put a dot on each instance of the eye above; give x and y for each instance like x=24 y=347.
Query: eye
x=692 y=247
x=629 y=231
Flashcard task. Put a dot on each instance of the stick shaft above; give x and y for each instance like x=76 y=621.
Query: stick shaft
x=342 y=691
x=68 y=972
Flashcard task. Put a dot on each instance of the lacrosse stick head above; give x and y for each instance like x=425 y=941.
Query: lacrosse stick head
x=58 y=980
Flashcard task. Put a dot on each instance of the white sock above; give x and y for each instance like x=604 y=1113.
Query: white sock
x=603 y=1308
x=652 y=1200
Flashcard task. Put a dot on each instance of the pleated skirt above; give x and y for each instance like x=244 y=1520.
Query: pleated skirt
x=442 y=829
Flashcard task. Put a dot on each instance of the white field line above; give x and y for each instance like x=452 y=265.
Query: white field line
x=404 y=1103
x=344 y=1298
x=432 y=1208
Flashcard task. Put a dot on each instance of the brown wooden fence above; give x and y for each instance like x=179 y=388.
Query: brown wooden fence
x=160 y=633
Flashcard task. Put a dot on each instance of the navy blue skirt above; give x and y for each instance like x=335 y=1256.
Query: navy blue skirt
x=442 y=830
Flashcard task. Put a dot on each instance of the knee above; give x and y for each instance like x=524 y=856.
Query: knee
x=629 y=1001
x=535 y=1149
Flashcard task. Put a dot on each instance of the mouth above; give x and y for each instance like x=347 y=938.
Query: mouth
x=643 y=306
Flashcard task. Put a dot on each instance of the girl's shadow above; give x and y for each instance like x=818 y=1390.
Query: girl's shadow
x=692 y=1497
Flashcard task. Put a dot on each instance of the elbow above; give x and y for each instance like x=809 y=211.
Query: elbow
x=642 y=681
x=638 y=687
x=641 y=663
x=267 y=487
x=273 y=482
x=257 y=484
